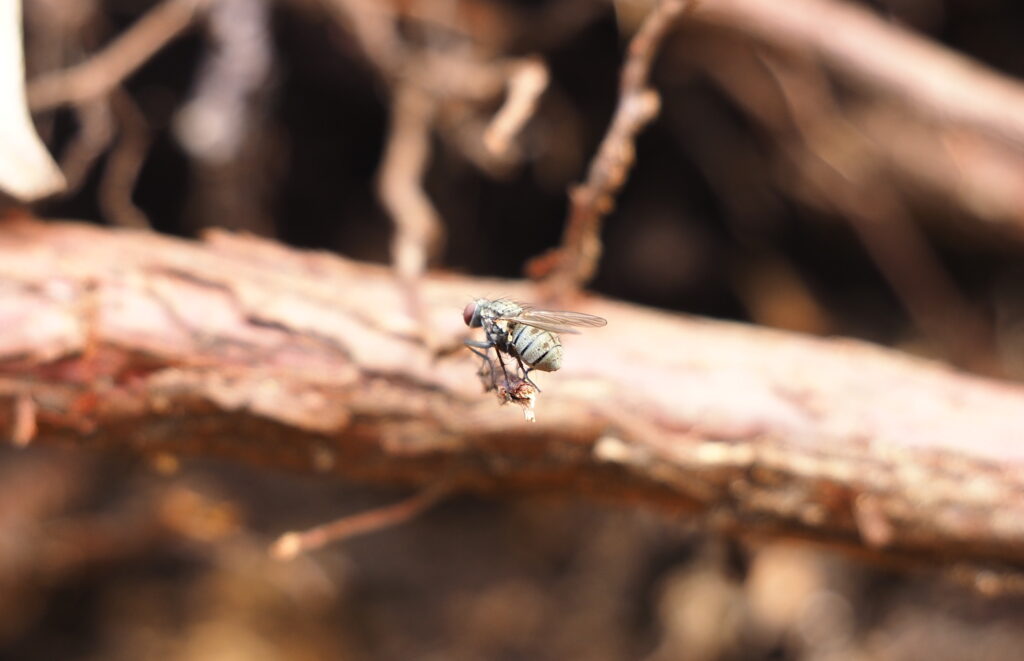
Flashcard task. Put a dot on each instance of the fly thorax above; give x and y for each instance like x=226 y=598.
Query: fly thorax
x=499 y=333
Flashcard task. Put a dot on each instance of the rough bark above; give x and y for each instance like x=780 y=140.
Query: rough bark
x=246 y=350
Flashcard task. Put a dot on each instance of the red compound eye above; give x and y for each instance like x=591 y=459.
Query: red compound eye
x=468 y=313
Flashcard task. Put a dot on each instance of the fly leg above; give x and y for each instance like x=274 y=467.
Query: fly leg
x=485 y=360
x=508 y=383
x=476 y=345
x=526 y=373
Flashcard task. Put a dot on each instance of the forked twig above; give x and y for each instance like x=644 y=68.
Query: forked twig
x=575 y=262
x=109 y=67
x=438 y=87
x=293 y=543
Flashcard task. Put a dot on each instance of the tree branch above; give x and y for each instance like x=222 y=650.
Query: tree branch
x=243 y=349
x=102 y=72
x=854 y=40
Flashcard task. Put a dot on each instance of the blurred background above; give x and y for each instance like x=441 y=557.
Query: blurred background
x=773 y=188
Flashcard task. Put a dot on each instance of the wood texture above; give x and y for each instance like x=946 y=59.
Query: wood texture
x=246 y=350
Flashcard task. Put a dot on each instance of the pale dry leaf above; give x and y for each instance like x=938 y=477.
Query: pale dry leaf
x=27 y=171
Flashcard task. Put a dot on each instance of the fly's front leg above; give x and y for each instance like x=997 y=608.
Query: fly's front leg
x=475 y=346
x=483 y=344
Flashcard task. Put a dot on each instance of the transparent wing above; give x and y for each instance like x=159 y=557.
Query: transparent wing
x=557 y=321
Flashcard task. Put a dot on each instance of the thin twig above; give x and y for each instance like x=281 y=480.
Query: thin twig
x=575 y=262
x=376 y=33
x=417 y=225
x=124 y=163
x=25 y=426
x=526 y=82
x=293 y=543
x=418 y=234
x=106 y=69
x=95 y=132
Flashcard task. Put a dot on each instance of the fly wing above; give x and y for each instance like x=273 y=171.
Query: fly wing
x=561 y=321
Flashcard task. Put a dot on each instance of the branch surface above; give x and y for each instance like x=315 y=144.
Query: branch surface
x=246 y=350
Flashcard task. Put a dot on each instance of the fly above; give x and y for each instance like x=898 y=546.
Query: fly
x=523 y=332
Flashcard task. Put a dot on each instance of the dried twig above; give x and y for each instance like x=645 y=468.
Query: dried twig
x=418 y=231
x=526 y=82
x=94 y=137
x=106 y=69
x=124 y=164
x=95 y=132
x=376 y=33
x=24 y=426
x=440 y=87
x=293 y=543
x=575 y=262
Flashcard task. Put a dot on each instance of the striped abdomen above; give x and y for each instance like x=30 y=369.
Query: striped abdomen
x=539 y=349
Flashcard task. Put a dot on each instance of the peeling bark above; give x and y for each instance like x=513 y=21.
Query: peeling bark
x=243 y=349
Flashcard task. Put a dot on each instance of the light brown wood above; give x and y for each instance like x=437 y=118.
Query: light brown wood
x=243 y=349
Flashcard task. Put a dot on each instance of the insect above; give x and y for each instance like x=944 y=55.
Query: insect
x=523 y=332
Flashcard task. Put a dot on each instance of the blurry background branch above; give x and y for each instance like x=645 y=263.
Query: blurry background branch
x=106 y=69
x=922 y=74
x=909 y=87
x=575 y=262
x=440 y=78
x=878 y=213
x=959 y=134
x=290 y=544
x=246 y=350
x=109 y=119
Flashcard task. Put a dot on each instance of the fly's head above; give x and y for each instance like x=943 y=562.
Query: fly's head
x=471 y=315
